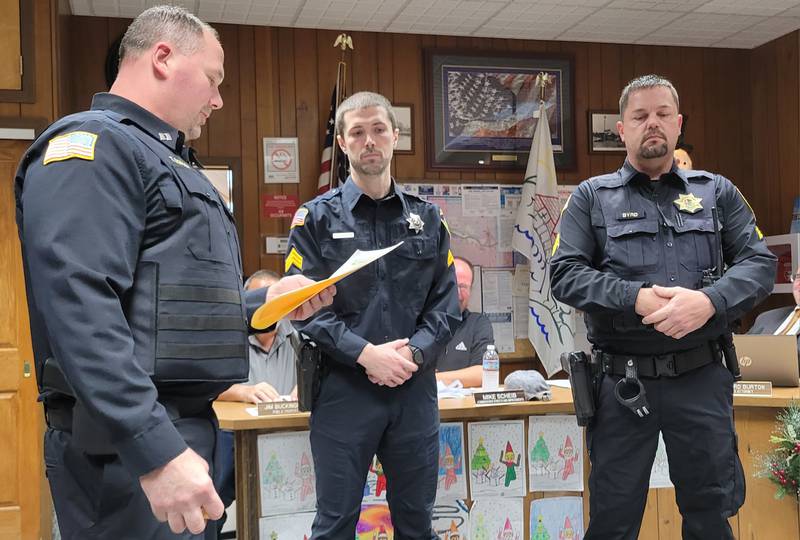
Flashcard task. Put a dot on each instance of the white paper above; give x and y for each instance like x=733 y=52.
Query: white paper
x=476 y=297
x=359 y=259
x=497 y=297
x=286 y=473
x=503 y=328
x=281 y=160
x=555 y=453
x=561 y=383
x=480 y=200
x=505 y=232
x=659 y=473
x=277 y=244
x=522 y=280
x=497 y=459
x=510 y=198
x=521 y=314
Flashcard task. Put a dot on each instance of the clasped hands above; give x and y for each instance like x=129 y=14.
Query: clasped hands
x=673 y=311
x=388 y=364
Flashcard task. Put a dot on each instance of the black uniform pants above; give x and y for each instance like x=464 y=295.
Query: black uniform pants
x=352 y=421
x=694 y=412
x=95 y=497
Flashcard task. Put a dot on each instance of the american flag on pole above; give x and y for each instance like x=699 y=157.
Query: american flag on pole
x=551 y=324
x=332 y=156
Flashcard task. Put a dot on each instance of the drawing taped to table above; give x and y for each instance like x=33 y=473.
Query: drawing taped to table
x=451 y=520
x=374 y=523
x=497 y=458
x=452 y=464
x=286 y=527
x=556 y=518
x=497 y=519
x=555 y=453
x=286 y=473
x=375 y=486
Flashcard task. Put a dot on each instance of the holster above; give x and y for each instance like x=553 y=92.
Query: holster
x=729 y=354
x=582 y=381
x=310 y=371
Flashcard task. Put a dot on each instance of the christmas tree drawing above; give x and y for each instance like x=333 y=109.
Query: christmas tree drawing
x=540 y=452
x=481 y=464
x=480 y=532
x=273 y=476
x=540 y=533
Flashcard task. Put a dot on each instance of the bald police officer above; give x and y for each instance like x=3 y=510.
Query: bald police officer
x=631 y=254
x=134 y=284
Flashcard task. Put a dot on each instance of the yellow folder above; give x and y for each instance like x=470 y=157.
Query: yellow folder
x=277 y=308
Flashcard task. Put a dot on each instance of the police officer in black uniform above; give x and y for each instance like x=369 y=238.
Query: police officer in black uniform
x=631 y=254
x=134 y=282
x=381 y=336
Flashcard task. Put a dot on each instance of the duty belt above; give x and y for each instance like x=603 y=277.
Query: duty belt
x=654 y=366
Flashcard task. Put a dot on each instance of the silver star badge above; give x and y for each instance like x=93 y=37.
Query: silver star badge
x=415 y=222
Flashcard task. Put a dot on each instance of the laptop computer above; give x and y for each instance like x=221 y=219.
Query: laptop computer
x=768 y=358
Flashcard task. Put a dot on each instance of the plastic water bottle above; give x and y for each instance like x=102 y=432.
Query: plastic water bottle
x=491 y=369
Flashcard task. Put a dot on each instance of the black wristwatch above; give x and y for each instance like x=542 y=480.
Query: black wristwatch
x=416 y=355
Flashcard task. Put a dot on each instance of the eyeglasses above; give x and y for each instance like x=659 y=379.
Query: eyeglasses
x=465 y=286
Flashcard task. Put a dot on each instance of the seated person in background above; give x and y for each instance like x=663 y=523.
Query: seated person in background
x=463 y=356
x=784 y=320
x=272 y=358
x=272 y=374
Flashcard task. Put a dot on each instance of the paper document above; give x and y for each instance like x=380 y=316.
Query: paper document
x=271 y=312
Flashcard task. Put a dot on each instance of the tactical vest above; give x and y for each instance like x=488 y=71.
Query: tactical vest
x=635 y=229
x=186 y=309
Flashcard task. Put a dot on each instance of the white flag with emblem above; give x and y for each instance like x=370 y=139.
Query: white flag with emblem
x=551 y=324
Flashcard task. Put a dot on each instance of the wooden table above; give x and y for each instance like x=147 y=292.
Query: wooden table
x=762 y=517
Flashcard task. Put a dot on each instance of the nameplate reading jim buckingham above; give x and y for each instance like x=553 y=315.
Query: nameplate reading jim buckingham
x=272 y=408
x=499 y=397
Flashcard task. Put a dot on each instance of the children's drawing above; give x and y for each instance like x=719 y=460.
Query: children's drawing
x=451 y=520
x=375 y=487
x=497 y=519
x=452 y=480
x=497 y=458
x=374 y=523
x=286 y=527
x=555 y=460
x=556 y=518
x=659 y=474
x=287 y=474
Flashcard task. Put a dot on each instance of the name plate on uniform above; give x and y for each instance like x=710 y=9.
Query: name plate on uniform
x=499 y=397
x=271 y=408
x=752 y=388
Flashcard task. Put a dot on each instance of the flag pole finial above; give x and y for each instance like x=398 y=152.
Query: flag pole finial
x=344 y=42
x=543 y=80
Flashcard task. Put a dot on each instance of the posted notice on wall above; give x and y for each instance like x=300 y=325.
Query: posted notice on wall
x=281 y=165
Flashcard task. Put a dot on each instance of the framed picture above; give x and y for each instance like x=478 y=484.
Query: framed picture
x=787 y=248
x=481 y=108
x=225 y=175
x=405 y=122
x=603 y=135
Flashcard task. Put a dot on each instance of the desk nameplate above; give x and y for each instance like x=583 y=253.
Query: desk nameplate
x=272 y=408
x=499 y=397
x=752 y=388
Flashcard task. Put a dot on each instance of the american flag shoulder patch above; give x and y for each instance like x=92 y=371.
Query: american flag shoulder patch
x=299 y=218
x=76 y=144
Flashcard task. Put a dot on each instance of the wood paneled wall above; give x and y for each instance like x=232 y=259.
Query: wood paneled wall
x=278 y=82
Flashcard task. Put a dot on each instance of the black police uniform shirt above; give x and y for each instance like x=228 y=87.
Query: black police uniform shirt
x=409 y=293
x=622 y=231
x=468 y=343
x=93 y=202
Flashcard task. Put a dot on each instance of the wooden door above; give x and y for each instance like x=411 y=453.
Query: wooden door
x=21 y=419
